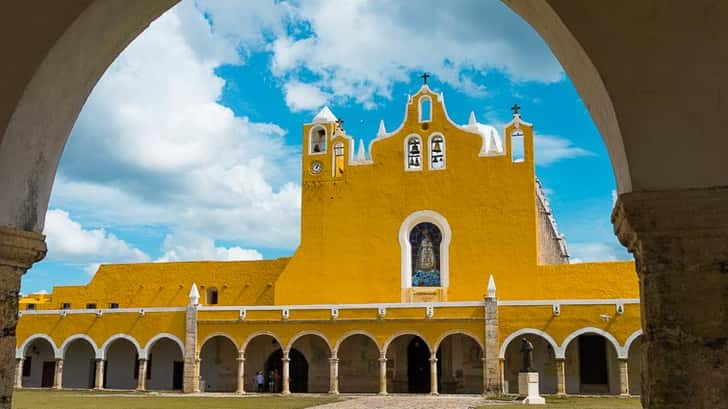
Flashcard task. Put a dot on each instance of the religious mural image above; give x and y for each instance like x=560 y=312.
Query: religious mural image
x=425 y=241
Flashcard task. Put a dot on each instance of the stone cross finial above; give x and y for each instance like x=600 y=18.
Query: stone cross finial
x=424 y=77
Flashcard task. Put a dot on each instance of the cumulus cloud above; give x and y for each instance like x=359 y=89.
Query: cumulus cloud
x=304 y=97
x=190 y=246
x=69 y=241
x=550 y=149
x=587 y=252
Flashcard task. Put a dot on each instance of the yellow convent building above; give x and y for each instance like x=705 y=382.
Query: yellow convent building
x=423 y=263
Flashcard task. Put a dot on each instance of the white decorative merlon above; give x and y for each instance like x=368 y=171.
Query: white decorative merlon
x=325 y=115
x=429 y=311
x=556 y=310
x=491 y=287
x=492 y=143
x=194 y=295
x=382 y=132
x=360 y=155
x=471 y=120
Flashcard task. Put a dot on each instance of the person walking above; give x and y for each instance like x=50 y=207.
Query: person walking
x=271 y=382
x=260 y=380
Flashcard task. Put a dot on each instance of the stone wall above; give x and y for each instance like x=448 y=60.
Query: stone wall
x=551 y=244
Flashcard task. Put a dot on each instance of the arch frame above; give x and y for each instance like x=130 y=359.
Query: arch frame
x=351 y=334
x=101 y=353
x=302 y=334
x=310 y=139
x=558 y=354
x=256 y=334
x=405 y=159
x=421 y=100
x=468 y=334
x=20 y=351
x=630 y=339
x=162 y=335
x=67 y=342
x=429 y=151
x=591 y=330
x=217 y=334
x=393 y=337
x=422 y=216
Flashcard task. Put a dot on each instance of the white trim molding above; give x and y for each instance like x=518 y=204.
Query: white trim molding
x=101 y=353
x=308 y=332
x=463 y=332
x=257 y=334
x=75 y=337
x=406 y=153
x=443 y=152
x=388 y=342
x=353 y=333
x=218 y=334
x=20 y=352
x=164 y=335
x=422 y=216
x=630 y=340
x=596 y=331
x=532 y=331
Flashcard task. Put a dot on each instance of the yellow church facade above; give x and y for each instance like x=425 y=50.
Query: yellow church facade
x=423 y=262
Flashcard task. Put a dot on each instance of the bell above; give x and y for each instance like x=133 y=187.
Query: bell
x=415 y=149
x=437 y=148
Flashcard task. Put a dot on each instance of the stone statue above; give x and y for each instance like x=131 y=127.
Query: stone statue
x=426 y=255
x=527 y=355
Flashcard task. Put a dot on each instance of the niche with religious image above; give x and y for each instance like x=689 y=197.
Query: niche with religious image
x=425 y=239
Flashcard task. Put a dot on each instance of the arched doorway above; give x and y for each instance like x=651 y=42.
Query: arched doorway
x=122 y=365
x=218 y=365
x=258 y=353
x=317 y=353
x=592 y=367
x=543 y=361
x=79 y=365
x=358 y=365
x=39 y=364
x=408 y=365
x=459 y=365
x=298 y=374
x=634 y=365
x=165 y=365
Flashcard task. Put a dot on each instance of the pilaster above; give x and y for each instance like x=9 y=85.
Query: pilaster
x=191 y=382
x=680 y=243
x=491 y=373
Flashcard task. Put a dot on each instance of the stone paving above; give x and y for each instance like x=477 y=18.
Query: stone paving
x=409 y=402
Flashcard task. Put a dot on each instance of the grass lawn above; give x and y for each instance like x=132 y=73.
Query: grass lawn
x=575 y=402
x=40 y=399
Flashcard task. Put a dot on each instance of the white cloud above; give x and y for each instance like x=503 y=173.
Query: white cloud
x=587 y=252
x=69 y=241
x=190 y=246
x=304 y=97
x=550 y=149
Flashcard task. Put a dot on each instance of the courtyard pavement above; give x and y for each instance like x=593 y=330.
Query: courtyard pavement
x=408 y=402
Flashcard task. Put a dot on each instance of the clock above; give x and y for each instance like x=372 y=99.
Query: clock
x=316 y=167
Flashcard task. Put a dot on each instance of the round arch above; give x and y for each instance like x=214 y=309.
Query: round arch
x=309 y=332
x=164 y=335
x=257 y=334
x=524 y=331
x=101 y=354
x=458 y=332
x=391 y=339
x=591 y=330
x=67 y=342
x=20 y=352
x=218 y=334
x=630 y=340
x=351 y=334
x=421 y=216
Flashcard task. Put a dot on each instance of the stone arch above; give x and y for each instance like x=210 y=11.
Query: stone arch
x=105 y=346
x=79 y=361
x=75 y=337
x=316 y=351
x=257 y=349
x=308 y=332
x=460 y=362
x=218 y=366
x=591 y=365
x=557 y=351
x=409 y=360
x=630 y=339
x=19 y=352
x=458 y=332
x=353 y=333
x=218 y=334
x=396 y=335
x=256 y=334
x=164 y=335
x=40 y=356
x=591 y=330
x=421 y=216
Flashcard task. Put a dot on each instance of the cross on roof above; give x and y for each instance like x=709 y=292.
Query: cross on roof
x=516 y=109
x=340 y=121
x=424 y=77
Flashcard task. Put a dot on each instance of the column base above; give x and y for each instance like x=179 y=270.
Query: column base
x=382 y=393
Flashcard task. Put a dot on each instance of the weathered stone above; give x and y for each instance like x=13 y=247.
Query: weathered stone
x=491 y=375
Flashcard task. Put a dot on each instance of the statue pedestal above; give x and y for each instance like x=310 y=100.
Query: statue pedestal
x=528 y=389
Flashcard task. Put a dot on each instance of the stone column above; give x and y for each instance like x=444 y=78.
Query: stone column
x=191 y=383
x=142 y=375
x=18 y=251
x=623 y=378
x=196 y=387
x=19 y=373
x=491 y=376
x=561 y=377
x=382 y=374
x=241 y=373
x=58 y=376
x=334 y=375
x=433 y=373
x=680 y=243
x=99 y=380
x=286 y=389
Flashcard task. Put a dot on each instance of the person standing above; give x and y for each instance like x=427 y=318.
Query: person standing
x=260 y=380
x=271 y=382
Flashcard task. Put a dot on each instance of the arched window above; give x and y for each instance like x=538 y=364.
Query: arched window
x=425 y=239
x=425 y=109
x=413 y=156
x=518 y=153
x=317 y=140
x=211 y=296
x=338 y=167
x=437 y=151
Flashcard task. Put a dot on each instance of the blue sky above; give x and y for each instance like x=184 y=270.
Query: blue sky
x=189 y=146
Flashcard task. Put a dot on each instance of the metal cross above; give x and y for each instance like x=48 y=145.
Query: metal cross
x=516 y=109
x=424 y=77
x=340 y=122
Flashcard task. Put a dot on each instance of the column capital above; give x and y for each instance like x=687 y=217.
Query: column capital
x=334 y=360
x=239 y=359
x=382 y=359
x=286 y=359
x=19 y=248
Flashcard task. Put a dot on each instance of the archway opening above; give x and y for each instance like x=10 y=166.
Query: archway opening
x=39 y=364
x=122 y=365
x=634 y=365
x=543 y=361
x=258 y=353
x=592 y=367
x=317 y=354
x=298 y=371
x=218 y=365
x=79 y=365
x=459 y=365
x=358 y=365
x=408 y=365
x=165 y=365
